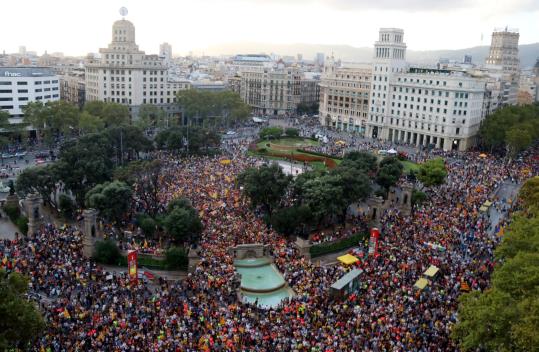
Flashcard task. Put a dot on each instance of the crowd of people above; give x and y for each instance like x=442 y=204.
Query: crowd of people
x=89 y=308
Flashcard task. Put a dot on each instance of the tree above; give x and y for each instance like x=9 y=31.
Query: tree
x=291 y=132
x=145 y=175
x=127 y=142
x=147 y=224
x=389 y=172
x=212 y=108
x=183 y=224
x=67 y=206
x=512 y=127
x=84 y=163
x=53 y=117
x=89 y=123
x=112 y=114
x=418 y=197
x=529 y=194
x=355 y=185
x=298 y=186
x=325 y=197
x=151 y=116
x=112 y=199
x=38 y=179
x=176 y=258
x=265 y=186
x=362 y=161
x=432 y=172
x=106 y=252
x=505 y=317
x=271 y=133
x=291 y=220
x=192 y=139
x=21 y=321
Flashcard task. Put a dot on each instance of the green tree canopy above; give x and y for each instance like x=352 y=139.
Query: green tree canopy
x=363 y=161
x=89 y=123
x=511 y=127
x=112 y=199
x=183 y=224
x=291 y=220
x=271 y=132
x=212 y=108
x=265 y=186
x=432 y=172
x=506 y=316
x=389 y=172
x=40 y=179
x=151 y=116
x=529 y=194
x=192 y=139
x=21 y=321
x=112 y=114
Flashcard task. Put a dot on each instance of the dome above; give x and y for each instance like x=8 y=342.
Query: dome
x=123 y=31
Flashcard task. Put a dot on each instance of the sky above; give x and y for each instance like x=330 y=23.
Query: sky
x=77 y=27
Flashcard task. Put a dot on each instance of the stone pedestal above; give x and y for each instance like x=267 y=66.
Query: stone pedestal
x=304 y=247
x=34 y=212
x=90 y=231
x=193 y=260
x=406 y=205
x=12 y=200
x=376 y=207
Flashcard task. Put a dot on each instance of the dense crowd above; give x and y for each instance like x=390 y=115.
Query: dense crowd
x=89 y=308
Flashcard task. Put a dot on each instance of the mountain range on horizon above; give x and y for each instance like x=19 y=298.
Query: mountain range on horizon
x=529 y=53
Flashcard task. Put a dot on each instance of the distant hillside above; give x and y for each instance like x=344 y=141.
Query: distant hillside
x=528 y=53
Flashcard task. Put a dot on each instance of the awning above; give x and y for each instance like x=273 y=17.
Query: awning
x=421 y=283
x=431 y=271
x=340 y=142
x=347 y=259
x=482 y=155
x=392 y=151
x=487 y=203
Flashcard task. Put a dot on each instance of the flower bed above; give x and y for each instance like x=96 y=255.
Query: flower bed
x=337 y=246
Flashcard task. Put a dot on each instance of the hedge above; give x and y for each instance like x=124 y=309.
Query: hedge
x=318 y=154
x=332 y=247
x=149 y=262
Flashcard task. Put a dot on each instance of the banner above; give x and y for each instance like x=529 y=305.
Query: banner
x=132 y=266
x=373 y=241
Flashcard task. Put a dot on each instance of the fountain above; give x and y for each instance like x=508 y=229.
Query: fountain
x=261 y=281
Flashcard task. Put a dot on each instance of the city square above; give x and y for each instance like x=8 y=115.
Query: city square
x=291 y=206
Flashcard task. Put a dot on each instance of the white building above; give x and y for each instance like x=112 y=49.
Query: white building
x=428 y=107
x=344 y=96
x=21 y=85
x=165 y=52
x=126 y=75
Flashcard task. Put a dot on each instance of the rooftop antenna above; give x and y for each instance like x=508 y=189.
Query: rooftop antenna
x=123 y=12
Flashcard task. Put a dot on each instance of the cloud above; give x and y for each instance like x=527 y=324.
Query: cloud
x=504 y=6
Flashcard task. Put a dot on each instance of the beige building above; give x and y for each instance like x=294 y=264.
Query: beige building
x=72 y=88
x=272 y=91
x=126 y=75
x=344 y=96
x=422 y=106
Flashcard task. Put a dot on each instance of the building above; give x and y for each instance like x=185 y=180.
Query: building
x=126 y=75
x=310 y=89
x=422 y=106
x=272 y=91
x=536 y=79
x=165 y=52
x=344 y=96
x=73 y=88
x=503 y=62
x=319 y=59
x=22 y=85
x=504 y=50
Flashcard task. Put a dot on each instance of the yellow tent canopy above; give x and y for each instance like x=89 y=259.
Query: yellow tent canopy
x=483 y=155
x=421 y=283
x=431 y=271
x=225 y=161
x=487 y=203
x=347 y=259
x=483 y=209
x=340 y=142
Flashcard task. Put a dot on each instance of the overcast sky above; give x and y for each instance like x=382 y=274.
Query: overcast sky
x=77 y=27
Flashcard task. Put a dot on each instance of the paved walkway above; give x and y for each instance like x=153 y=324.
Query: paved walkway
x=498 y=211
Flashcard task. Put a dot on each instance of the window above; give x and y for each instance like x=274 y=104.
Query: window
x=3 y=83
x=23 y=99
x=22 y=91
x=22 y=83
x=6 y=99
x=5 y=90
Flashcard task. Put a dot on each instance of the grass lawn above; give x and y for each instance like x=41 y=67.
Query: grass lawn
x=289 y=146
x=409 y=165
